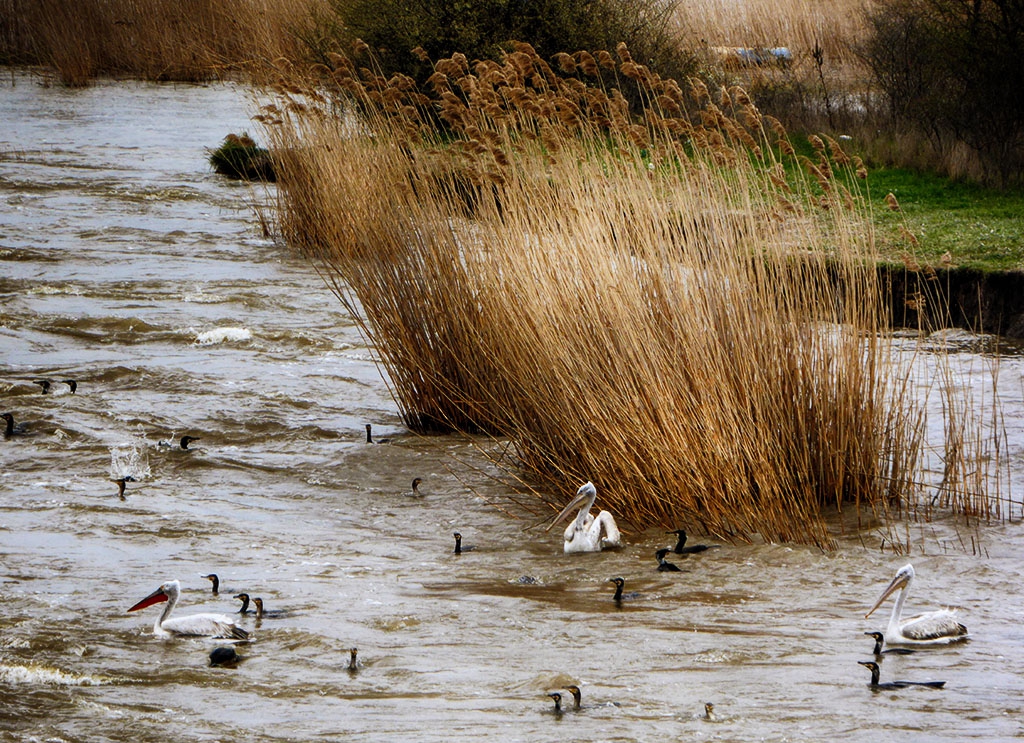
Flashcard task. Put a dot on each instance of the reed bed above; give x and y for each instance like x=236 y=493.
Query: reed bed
x=667 y=301
x=184 y=40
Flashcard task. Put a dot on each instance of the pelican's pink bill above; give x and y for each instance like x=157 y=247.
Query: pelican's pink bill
x=154 y=598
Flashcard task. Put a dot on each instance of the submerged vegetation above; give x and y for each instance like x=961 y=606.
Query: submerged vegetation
x=666 y=299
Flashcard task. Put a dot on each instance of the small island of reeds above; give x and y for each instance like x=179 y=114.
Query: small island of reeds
x=635 y=280
x=239 y=157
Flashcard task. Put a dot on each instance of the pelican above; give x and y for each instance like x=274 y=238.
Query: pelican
x=244 y=598
x=932 y=628
x=879 y=639
x=195 y=625
x=584 y=533
x=875 y=672
x=664 y=566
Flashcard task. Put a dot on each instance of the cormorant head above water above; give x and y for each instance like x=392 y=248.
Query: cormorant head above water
x=212 y=577
x=259 y=607
x=353 y=662
x=459 y=549
x=663 y=565
x=558 y=701
x=577 y=696
x=682 y=549
x=244 y=598
x=369 y=436
x=709 y=711
x=186 y=440
x=879 y=639
x=876 y=672
x=45 y=384
x=11 y=429
x=72 y=384
x=416 y=486
x=121 y=484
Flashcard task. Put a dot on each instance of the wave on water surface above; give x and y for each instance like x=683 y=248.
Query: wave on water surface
x=34 y=675
x=223 y=335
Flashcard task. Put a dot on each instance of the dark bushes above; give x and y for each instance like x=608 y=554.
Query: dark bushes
x=479 y=29
x=953 y=71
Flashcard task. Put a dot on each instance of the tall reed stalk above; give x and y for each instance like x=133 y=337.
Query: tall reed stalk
x=668 y=301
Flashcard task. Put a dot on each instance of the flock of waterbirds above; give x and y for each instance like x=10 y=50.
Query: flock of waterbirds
x=585 y=533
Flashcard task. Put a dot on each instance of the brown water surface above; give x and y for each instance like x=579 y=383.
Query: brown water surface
x=125 y=264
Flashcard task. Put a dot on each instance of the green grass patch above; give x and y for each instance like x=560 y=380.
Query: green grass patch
x=978 y=227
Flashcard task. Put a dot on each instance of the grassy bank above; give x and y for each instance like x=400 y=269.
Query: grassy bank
x=953 y=223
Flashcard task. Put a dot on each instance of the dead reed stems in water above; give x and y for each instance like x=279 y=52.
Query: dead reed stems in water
x=668 y=301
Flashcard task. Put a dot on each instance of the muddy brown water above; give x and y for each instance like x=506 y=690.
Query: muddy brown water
x=127 y=265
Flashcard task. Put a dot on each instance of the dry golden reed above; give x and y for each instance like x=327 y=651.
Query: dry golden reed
x=616 y=290
x=185 y=40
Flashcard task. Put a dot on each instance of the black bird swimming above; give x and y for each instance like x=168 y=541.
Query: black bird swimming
x=664 y=566
x=879 y=639
x=459 y=549
x=212 y=577
x=224 y=656
x=577 y=696
x=261 y=612
x=45 y=384
x=619 y=597
x=416 y=487
x=682 y=549
x=11 y=429
x=72 y=384
x=353 y=663
x=186 y=440
x=709 y=711
x=369 y=437
x=558 y=702
x=121 y=483
x=244 y=598
x=875 y=671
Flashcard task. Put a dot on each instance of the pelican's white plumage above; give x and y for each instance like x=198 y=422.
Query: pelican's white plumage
x=584 y=533
x=933 y=628
x=195 y=625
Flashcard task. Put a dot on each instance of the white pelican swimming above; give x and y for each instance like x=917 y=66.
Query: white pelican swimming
x=584 y=533
x=925 y=629
x=196 y=625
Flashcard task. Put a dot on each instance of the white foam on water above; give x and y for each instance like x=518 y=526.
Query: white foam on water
x=223 y=335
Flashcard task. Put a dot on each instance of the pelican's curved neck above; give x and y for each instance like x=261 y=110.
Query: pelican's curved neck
x=172 y=600
x=581 y=517
x=897 y=612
